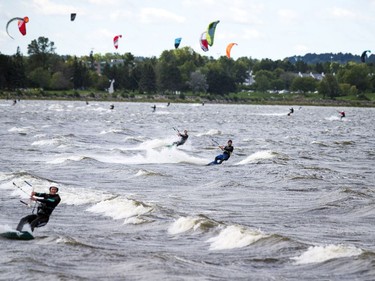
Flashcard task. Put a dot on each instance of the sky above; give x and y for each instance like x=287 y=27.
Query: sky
x=273 y=29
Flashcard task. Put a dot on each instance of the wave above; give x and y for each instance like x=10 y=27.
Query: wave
x=230 y=237
x=211 y=132
x=122 y=208
x=260 y=155
x=73 y=196
x=121 y=131
x=63 y=240
x=60 y=160
x=21 y=183
x=320 y=143
x=164 y=156
x=184 y=224
x=319 y=254
x=235 y=236
x=21 y=131
x=142 y=173
x=336 y=118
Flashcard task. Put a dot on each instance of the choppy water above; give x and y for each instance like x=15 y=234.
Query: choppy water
x=294 y=202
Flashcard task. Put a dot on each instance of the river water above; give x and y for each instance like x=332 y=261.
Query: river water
x=294 y=202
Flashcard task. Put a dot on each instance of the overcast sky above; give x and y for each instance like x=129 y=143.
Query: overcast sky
x=272 y=29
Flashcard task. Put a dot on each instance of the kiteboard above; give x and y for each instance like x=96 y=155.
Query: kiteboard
x=17 y=235
x=213 y=163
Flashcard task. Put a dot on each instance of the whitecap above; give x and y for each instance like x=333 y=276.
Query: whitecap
x=317 y=254
x=235 y=237
x=260 y=155
x=120 y=208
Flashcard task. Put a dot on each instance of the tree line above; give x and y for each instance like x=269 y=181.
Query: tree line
x=180 y=71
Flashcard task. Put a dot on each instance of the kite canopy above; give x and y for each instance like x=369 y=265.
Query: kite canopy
x=211 y=32
x=177 y=42
x=115 y=40
x=203 y=41
x=364 y=55
x=73 y=16
x=21 y=25
x=229 y=48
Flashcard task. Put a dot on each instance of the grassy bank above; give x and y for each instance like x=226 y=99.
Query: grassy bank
x=290 y=99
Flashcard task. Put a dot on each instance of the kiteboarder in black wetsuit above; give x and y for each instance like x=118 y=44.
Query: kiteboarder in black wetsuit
x=291 y=111
x=47 y=205
x=227 y=151
x=183 y=139
x=342 y=114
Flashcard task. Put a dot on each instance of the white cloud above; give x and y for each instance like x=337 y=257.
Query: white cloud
x=343 y=13
x=155 y=15
x=251 y=33
x=242 y=15
x=46 y=7
x=287 y=16
x=300 y=49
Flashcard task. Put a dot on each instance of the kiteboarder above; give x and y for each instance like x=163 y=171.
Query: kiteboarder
x=153 y=108
x=342 y=114
x=291 y=111
x=227 y=151
x=183 y=139
x=47 y=205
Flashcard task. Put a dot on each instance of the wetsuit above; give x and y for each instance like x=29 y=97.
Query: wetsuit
x=45 y=209
x=182 y=140
x=225 y=156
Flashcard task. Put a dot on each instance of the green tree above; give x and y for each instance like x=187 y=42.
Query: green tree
x=40 y=77
x=147 y=81
x=356 y=75
x=40 y=52
x=329 y=87
x=198 y=82
x=59 y=82
x=304 y=84
x=219 y=81
x=167 y=72
x=263 y=80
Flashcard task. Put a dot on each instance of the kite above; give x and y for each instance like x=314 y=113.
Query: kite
x=177 y=42
x=203 y=41
x=115 y=40
x=211 y=32
x=364 y=55
x=21 y=25
x=229 y=48
x=72 y=16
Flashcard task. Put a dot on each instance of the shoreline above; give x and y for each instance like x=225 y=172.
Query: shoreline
x=291 y=102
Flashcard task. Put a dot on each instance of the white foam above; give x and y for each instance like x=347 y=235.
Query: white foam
x=73 y=196
x=317 y=254
x=260 y=155
x=6 y=228
x=120 y=208
x=19 y=130
x=211 y=132
x=115 y=131
x=50 y=142
x=183 y=224
x=164 y=156
x=60 y=160
x=335 y=118
x=235 y=237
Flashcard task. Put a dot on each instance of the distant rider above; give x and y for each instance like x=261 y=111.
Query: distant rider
x=47 y=205
x=227 y=152
x=183 y=139
x=291 y=111
x=342 y=114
